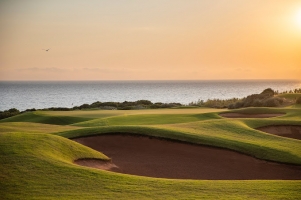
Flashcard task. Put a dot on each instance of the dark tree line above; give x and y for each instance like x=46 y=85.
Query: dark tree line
x=126 y=105
x=9 y=113
x=267 y=98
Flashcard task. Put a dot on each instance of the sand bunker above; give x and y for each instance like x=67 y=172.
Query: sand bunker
x=243 y=115
x=283 y=130
x=154 y=157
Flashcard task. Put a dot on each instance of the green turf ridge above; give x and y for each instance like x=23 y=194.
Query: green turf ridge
x=36 y=162
x=292 y=96
x=109 y=113
x=150 y=119
x=47 y=172
x=30 y=127
x=233 y=135
x=100 y=116
x=258 y=110
x=38 y=117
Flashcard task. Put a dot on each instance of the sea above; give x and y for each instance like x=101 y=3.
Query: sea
x=24 y=95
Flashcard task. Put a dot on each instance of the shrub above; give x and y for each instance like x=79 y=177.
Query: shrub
x=265 y=98
x=13 y=110
x=268 y=92
x=58 y=109
x=257 y=103
x=9 y=113
x=30 y=110
x=271 y=102
x=238 y=104
x=231 y=106
x=84 y=106
x=144 y=102
x=298 y=101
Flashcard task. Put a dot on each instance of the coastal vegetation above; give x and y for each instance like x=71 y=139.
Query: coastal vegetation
x=9 y=113
x=267 y=98
x=126 y=105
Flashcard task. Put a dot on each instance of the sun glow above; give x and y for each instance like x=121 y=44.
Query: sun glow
x=298 y=18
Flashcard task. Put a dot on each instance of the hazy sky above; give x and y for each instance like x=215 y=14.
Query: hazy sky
x=150 y=40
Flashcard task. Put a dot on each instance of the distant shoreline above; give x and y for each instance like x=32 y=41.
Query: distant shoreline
x=209 y=80
x=45 y=94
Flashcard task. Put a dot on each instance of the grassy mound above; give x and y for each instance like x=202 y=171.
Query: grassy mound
x=35 y=160
x=38 y=117
x=30 y=127
x=256 y=110
x=291 y=96
x=47 y=172
x=230 y=135
x=147 y=119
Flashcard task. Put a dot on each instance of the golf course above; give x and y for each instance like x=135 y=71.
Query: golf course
x=150 y=100
x=173 y=153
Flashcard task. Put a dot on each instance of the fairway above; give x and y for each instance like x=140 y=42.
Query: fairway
x=242 y=115
x=108 y=113
x=234 y=159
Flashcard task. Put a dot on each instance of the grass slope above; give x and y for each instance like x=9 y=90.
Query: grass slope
x=47 y=172
x=146 y=119
x=292 y=96
x=109 y=113
x=258 y=110
x=30 y=127
x=223 y=133
x=39 y=117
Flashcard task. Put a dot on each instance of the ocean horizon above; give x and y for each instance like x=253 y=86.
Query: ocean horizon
x=45 y=94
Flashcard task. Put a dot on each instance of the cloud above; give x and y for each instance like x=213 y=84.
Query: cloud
x=47 y=69
x=144 y=28
x=107 y=70
x=243 y=69
x=93 y=69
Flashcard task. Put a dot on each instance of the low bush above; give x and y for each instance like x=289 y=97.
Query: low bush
x=264 y=99
x=272 y=102
x=9 y=113
x=268 y=92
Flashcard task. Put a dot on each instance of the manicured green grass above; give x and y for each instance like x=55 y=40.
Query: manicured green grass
x=147 y=119
x=39 y=117
x=292 y=116
x=30 y=127
x=225 y=133
x=109 y=113
x=259 y=110
x=46 y=172
x=36 y=158
x=290 y=96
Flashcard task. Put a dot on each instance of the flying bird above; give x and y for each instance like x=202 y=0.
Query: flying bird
x=46 y=49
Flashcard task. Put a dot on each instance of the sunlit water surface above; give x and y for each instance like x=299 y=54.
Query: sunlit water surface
x=29 y=94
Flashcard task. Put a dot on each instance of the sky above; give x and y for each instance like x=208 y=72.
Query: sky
x=150 y=40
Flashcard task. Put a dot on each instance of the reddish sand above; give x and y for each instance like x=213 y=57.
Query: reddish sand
x=243 y=115
x=152 y=157
x=283 y=130
x=96 y=163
